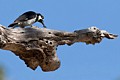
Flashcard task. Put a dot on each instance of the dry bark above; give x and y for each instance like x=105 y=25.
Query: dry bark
x=37 y=46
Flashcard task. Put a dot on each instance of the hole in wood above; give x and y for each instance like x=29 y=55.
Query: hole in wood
x=46 y=41
x=50 y=42
x=49 y=32
x=94 y=28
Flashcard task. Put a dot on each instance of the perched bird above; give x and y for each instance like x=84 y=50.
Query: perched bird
x=27 y=19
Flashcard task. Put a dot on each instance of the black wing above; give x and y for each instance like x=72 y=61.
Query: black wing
x=26 y=16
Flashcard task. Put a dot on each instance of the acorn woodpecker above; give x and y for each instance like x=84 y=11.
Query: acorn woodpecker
x=27 y=19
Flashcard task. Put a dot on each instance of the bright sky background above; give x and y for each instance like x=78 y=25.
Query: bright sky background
x=79 y=61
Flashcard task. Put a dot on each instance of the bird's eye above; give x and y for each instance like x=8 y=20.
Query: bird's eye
x=42 y=17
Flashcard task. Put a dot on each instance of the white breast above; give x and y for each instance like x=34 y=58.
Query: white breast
x=29 y=22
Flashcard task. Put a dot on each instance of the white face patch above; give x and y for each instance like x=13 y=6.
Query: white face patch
x=39 y=17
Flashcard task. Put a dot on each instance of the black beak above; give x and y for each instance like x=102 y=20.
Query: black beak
x=42 y=22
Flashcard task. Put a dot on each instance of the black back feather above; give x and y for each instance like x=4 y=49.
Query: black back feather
x=26 y=16
x=13 y=24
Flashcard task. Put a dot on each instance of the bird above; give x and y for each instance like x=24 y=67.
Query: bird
x=27 y=19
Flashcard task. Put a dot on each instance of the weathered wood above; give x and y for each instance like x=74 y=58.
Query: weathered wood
x=37 y=46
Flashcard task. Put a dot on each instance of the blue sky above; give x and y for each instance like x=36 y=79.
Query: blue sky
x=79 y=61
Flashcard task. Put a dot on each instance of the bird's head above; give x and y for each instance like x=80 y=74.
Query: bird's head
x=40 y=19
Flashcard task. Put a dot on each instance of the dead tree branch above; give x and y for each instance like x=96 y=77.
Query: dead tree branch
x=37 y=46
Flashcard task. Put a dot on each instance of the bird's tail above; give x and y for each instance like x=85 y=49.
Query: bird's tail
x=13 y=24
